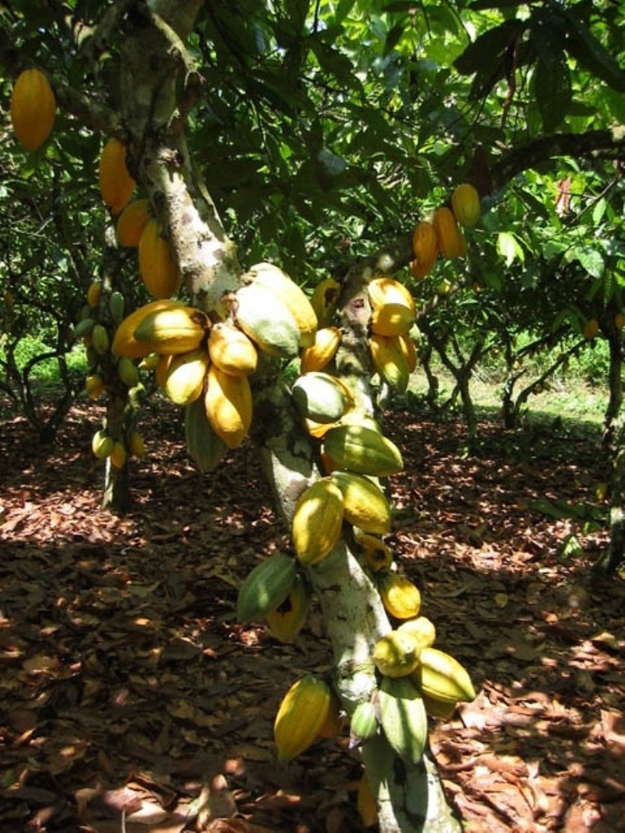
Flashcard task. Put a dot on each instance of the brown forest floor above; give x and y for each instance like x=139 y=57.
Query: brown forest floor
x=127 y=687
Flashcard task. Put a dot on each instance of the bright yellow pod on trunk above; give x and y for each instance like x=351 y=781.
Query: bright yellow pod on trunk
x=425 y=248
x=184 y=377
x=400 y=597
x=451 y=242
x=271 y=277
x=231 y=350
x=116 y=184
x=392 y=319
x=33 y=107
x=228 y=403
x=132 y=222
x=317 y=521
x=321 y=353
x=300 y=716
x=465 y=203
x=159 y=272
x=389 y=361
x=389 y=291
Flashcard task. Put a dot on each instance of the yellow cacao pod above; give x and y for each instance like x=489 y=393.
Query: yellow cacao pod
x=391 y=319
x=364 y=504
x=324 y=301
x=136 y=444
x=421 y=629
x=386 y=290
x=363 y=450
x=94 y=293
x=159 y=272
x=160 y=371
x=124 y=341
x=132 y=221
x=400 y=597
x=425 y=248
x=228 y=403
x=376 y=553
x=366 y=803
x=441 y=677
x=300 y=716
x=317 y=521
x=102 y=444
x=204 y=447
x=94 y=385
x=321 y=353
x=231 y=350
x=451 y=242
x=118 y=455
x=185 y=375
x=116 y=184
x=33 y=108
x=172 y=330
x=286 y=620
x=407 y=346
x=396 y=654
x=275 y=280
x=465 y=203
x=389 y=361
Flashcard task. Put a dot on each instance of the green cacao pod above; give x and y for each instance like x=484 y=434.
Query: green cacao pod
x=363 y=724
x=204 y=447
x=102 y=444
x=441 y=677
x=319 y=397
x=300 y=716
x=403 y=717
x=84 y=328
x=116 y=305
x=317 y=521
x=362 y=450
x=100 y=339
x=271 y=277
x=364 y=504
x=127 y=372
x=266 y=587
x=396 y=654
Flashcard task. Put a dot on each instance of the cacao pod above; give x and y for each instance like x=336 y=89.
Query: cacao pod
x=319 y=397
x=425 y=248
x=33 y=108
x=204 y=447
x=591 y=328
x=275 y=280
x=321 y=353
x=184 y=377
x=465 y=203
x=124 y=341
x=363 y=724
x=267 y=320
x=228 y=403
x=366 y=803
x=377 y=555
x=318 y=429
x=162 y=366
x=136 y=444
x=84 y=328
x=450 y=239
x=94 y=385
x=391 y=319
x=102 y=444
x=442 y=677
x=266 y=587
x=400 y=597
x=317 y=521
x=231 y=350
x=403 y=717
x=300 y=716
x=396 y=654
x=94 y=293
x=324 y=301
x=159 y=272
x=362 y=450
x=386 y=290
x=364 y=504
x=132 y=221
x=116 y=184
x=438 y=708
x=116 y=305
x=407 y=346
x=286 y=621
x=389 y=361
x=100 y=339
x=172 y=330
x=421 y=629
x=118 y=455
x=333 y=724
x=127 y=372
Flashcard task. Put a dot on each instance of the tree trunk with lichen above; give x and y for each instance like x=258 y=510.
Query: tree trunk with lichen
x=410 y=798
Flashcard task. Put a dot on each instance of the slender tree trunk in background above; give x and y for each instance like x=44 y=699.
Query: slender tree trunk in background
x=615 y=384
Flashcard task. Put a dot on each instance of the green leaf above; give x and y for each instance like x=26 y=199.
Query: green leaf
x=552 y=88
x=591 y=260
x=583 y=46
x=487 y=50
x=509 y=248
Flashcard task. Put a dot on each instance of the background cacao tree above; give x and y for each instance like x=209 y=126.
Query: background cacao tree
x=316 y=136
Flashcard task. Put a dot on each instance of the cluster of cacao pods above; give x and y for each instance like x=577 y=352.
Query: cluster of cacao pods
x=99 y=317
x=32 y=108
x=393 y=313
x=442 y=232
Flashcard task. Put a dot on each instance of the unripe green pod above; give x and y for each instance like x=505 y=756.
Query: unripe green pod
x=266 y=587
x=100 y=339
x=127 y=371
x=116 y=306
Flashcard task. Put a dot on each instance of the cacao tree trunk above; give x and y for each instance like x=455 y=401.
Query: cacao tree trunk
x=353 y=613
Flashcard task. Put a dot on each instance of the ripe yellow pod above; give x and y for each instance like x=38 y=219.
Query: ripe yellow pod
x=441 y=677
x=94 y=385
x=400 y=597
x=450 y=239
x=317 y=521
x=321 y=353
x=228 y=403
x=286 y=621
x=365 y=802
x=231 y=350
x=33 y=108
x=116 y=184
x=94 y=293
x=420 y=629
x=407 y=347
x=183 y=380
x=465 y=203
x=159 y=272
x=425 y=248
x=392 y=319
x=324 y=301
x=396 y=654
x=132 y=221
x=137 y=444
x=118 y=455
x=124 y=341
x=272 y=278
x=386 y=290
x=389 y=360
x=377 y=555
x=300 y=716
